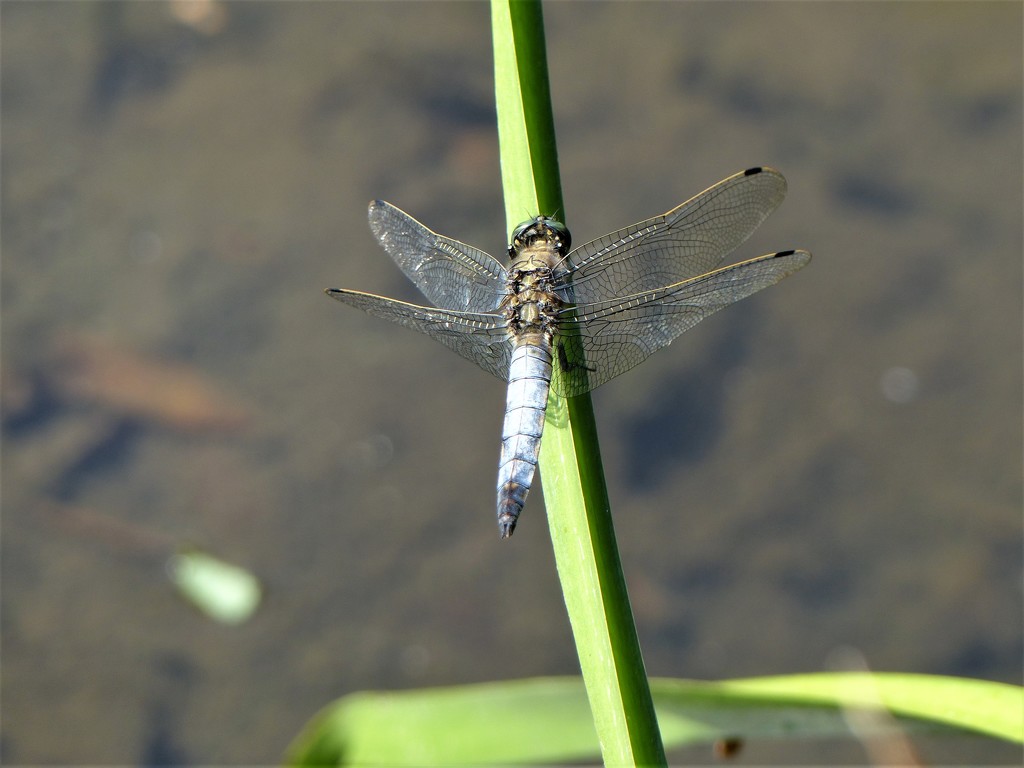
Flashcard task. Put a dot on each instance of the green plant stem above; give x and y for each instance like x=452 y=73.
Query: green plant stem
x=579 y=515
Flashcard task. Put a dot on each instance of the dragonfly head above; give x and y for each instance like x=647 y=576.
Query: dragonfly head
x=542 y=228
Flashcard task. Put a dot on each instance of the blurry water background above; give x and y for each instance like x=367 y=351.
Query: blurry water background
x=835 y=462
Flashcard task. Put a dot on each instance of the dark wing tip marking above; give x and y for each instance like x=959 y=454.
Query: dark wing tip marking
x=759 y=169
x=344 y=295
x=798 y=252
x=800 y=258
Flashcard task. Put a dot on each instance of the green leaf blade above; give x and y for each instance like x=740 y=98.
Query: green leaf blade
x=547 y=720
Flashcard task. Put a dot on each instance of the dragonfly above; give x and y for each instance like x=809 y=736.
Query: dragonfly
x=594 y=311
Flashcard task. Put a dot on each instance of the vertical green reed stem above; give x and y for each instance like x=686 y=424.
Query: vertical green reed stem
x=579 y=515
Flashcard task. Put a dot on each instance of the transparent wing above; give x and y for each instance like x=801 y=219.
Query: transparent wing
x=479 y=337
x=612 y=336
x=450 y=274
x=688 y=241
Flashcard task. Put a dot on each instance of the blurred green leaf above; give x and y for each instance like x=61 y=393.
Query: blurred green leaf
x=548 y=719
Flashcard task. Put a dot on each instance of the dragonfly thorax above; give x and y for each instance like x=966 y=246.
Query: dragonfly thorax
x=531 y=305
x=532 y=301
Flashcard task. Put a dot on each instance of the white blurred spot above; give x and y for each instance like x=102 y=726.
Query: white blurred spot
x=224 y=592
x=899 y=385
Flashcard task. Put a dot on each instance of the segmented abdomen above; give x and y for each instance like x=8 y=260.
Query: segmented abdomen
x=529 y=378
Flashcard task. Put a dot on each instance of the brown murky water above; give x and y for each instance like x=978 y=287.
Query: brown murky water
x=835 y=462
